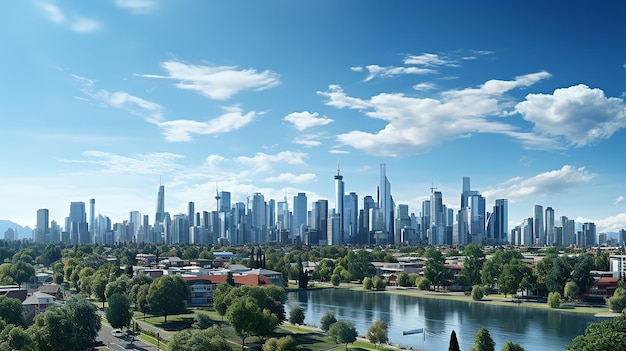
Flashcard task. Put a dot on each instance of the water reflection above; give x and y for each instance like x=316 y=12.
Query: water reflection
x=535 y=329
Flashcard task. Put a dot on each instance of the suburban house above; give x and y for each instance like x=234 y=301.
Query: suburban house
x=35 y=304
x=202 y=287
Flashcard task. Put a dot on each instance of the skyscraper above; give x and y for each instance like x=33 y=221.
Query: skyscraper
x=77 y=221
x=339 y=192
x=437 y=219
x=538 y=228
x=550 y=234
x=42 y=231
x=501 y=221
x=350 y=217
x=385 y=203
x=92 y=215
x=160 y=208
x=299 y=214
x=191 y=213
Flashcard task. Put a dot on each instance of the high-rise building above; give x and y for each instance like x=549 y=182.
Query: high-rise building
x=191 y=211
x=403 y=222
x=42 y=231
x=92 y=215
x=77 y=221
x=385 y=203
x=339 y=193
x=299 y=215
x=259 y=224
x=319 y=222
x=501 y=221
x=538 y=226
x=425 y=222
x=160 y=209
x=350 y=217
x=549 y=220
x=589 y=234
x=436 y=235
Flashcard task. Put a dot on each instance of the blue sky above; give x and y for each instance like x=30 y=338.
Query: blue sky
x=103 y=99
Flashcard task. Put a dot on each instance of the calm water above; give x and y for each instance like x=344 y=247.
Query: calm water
x=534 y=329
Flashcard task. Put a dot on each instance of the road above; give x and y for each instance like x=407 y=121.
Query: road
x=113 y=343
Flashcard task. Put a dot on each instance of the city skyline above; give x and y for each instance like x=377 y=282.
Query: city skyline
x=109 y=100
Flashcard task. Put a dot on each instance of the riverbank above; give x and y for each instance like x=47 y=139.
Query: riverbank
x=499 y=300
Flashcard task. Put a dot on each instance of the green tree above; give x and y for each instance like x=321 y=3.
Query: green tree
x=119 y=313
x=511 y=346
x=617 y=302
x=581 y=272
x=367 y=283
x=559 y=275
x=72 y=327
x=14 y=337
x=335 y=279
x=286 y=343
x=434 y=269
x=554 y=300
x=86 y=320
x=244 y=315
x=296 y=315
x=512 y=275
x=327 y=320
x=571 y=291
x=477 y=292
x=168 y=294
x=483 y=341
x=11 y=311
x=377 y=333
x=202 y=321
x=472 y=264
x=403 y=279
x=211 y=339
x=118 y=286
x=607 y=335
x=602 y=262
x=492 y=268
x=98 y=286
x=423 y=283
x=454 y=342
x=221 y=299
x=343 y=332
x=379 y=283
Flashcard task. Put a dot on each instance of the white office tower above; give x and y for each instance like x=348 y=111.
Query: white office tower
x=538 y=228
x=339 y=193
x=41 y=234
x=404 y=232
x=385 y=203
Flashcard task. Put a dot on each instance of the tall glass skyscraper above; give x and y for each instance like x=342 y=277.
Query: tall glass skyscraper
x=538 y=228
x=299 y=214
x=338 y=219
x=385 y=203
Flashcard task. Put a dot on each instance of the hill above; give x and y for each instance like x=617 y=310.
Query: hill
x=22 y=232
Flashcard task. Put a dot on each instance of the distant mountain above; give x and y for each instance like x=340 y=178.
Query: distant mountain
x=22 y=232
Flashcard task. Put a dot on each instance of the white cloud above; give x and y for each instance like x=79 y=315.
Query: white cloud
x=392 y=71
x=309 y=140
x=263 y=162
x=178 y=130
x=357 y=69
x=137 y=6
x=338 y=152
x=305 y=178
x=52 y=12
x=182 y=130
x=217 y=82
x=578 y=114
x=78 y=24
x=424 y=86
x=619 y=199
x=429 y=60
x=85 y=25
x=305 y=119
x=416 y=124
x=543 y=184
x=150 y=163
x=608 y=224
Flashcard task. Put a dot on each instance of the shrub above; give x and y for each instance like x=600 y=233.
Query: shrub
x=477 y=292
x=554 y=300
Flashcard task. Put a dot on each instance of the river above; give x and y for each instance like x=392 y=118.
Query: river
x=534 y=329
